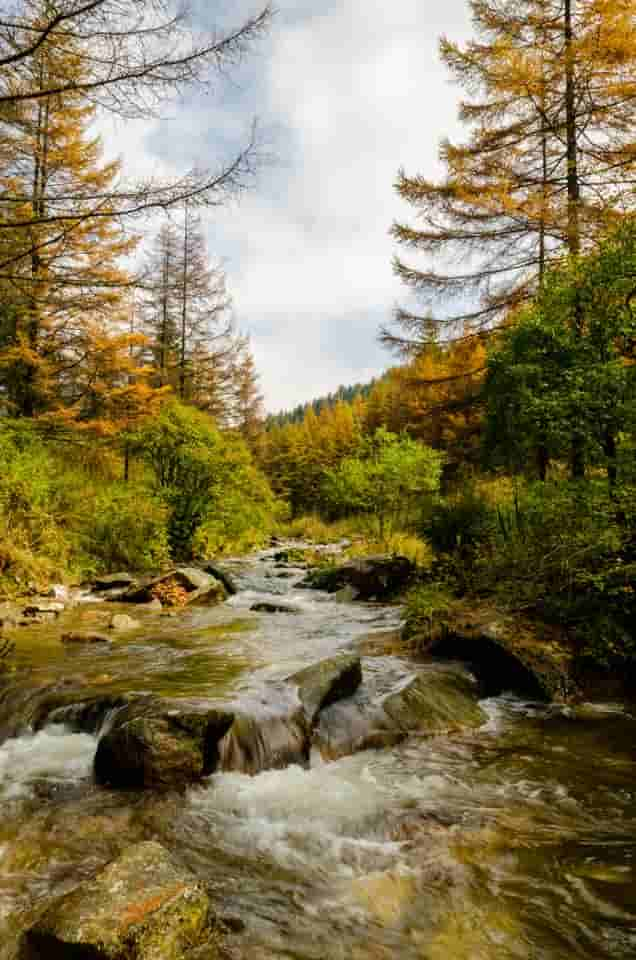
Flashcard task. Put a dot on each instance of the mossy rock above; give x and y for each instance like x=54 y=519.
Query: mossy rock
x=140 y=907
x=161 y=751
x=327 y=681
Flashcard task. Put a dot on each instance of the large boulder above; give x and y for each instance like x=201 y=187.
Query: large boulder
x=327 y=681
x=113 y=581
x=140 y=907
x=435 y=701
x=372 y=578
x=507 y=653
x=84 y=637
x=180 y=586
x=223 y=577
x=160 y=749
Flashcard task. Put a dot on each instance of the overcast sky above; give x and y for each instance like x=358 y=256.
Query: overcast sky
x=345 y=92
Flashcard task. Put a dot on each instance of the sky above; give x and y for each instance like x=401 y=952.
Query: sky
x=345 y=93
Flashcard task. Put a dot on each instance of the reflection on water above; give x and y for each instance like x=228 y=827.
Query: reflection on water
x=513 y=842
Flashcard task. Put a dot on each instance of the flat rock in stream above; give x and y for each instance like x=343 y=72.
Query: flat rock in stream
x=433 y=702
x=114 y=581
x=327 y=681
x=160 y=749
x=266 y=606
x=140 y=907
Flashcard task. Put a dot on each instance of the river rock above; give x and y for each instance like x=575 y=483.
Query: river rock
x=84 y=637
x=223 y=577
x=51 y=608
x=374 y=578
x=507 y=652
x=266 y=606
x=435 y=701
x=121 y=623
x=160 y=750
x=207 y=596
x=114 y=581
x=325 y=682
x=200 y=585
x=273 y=740
x=140 y=907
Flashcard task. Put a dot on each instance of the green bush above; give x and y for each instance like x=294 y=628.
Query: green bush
x=465 y=520
x=127 y=528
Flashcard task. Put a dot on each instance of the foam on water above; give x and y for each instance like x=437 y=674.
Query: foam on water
x=330 y=818
x=53 y=754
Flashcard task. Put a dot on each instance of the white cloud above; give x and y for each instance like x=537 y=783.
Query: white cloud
x=351 y=92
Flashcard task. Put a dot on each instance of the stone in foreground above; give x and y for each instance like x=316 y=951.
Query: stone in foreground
x=435 y=701
x=325 y=682
x=141 y=907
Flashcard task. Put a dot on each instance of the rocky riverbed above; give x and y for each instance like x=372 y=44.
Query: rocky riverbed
x=257 y=771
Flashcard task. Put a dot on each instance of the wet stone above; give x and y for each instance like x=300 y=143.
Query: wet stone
x=114 y=581
x=268 y=607
x=223 y=577
x=84 y=637
x=160 y=750
x=140 y=907
x=272 y=741
x=121 y=623
x=323 y=683
x=435 y=702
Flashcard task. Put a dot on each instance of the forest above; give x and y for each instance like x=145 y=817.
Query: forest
x=497 y=452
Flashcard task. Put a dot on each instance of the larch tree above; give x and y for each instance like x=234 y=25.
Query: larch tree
x=549 y=162
x=249 y=411
x=128 y=57
x=64 y=288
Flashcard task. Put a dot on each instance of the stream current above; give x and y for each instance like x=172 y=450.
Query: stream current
x=515 y=841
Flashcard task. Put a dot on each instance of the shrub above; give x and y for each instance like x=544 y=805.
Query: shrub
x=127 y=528
x=465 y=520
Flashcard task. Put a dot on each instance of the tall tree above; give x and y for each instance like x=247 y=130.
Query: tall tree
x=129 y=58
x=550 y=159
x=249 y=399
x=57 y=281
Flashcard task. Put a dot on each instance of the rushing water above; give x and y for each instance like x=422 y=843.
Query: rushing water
x=516 y=841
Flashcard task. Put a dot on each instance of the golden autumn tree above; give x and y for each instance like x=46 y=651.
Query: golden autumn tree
x=549 y=161
x=65 y=284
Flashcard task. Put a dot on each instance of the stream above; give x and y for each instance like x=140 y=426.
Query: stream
x=513 y=841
